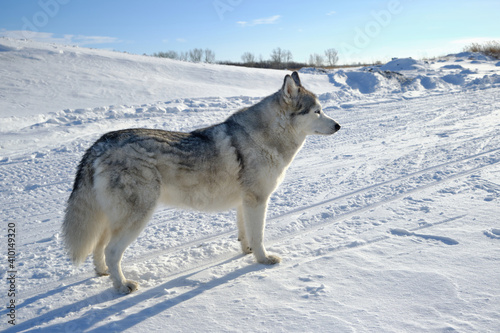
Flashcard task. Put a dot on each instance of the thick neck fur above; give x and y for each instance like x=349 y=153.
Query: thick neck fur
x=269 y=125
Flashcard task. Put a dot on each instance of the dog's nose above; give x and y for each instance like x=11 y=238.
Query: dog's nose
x=337 y=127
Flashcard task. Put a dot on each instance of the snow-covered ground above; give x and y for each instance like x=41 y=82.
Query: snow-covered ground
x=390 y=225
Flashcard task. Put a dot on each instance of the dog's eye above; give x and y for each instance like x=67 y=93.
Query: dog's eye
x=317 y=111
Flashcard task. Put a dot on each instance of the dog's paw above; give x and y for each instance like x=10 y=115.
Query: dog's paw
x=270 y=260
x=246 y=249
x=128 y=287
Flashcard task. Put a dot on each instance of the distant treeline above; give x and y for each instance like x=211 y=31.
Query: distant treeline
x=194 y=55
x=279 y=58
x=266 y=64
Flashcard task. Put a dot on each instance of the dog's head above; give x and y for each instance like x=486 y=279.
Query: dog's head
x=304 y=110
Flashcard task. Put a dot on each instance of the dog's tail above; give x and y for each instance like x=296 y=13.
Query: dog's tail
x=84 y=219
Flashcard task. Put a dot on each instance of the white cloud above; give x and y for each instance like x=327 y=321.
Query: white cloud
x=181 y=40
x=267 y=20
x=331 y=13
x=48 y=37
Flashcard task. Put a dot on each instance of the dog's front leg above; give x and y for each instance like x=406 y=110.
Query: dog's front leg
x=254 y=215
x=242 y=237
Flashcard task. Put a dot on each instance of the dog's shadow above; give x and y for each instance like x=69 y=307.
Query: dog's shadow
x=98 y=314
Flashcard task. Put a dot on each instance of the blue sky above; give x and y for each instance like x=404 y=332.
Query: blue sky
x=361 y=30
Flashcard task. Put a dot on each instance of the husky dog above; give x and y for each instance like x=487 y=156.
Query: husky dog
x=235 y=164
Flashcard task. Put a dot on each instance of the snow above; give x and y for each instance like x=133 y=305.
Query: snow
x=390 y=225
x=61 y=77
x=404 y=64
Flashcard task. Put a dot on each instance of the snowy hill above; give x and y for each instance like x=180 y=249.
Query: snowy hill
x=39 y=78
x=390 y=225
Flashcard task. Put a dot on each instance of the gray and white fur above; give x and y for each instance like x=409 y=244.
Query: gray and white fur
x=235 y=164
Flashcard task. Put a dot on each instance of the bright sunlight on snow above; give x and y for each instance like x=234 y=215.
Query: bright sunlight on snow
x=390 y=225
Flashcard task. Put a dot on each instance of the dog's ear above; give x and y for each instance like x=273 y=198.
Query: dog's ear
x=290 y=88
x=296 y=79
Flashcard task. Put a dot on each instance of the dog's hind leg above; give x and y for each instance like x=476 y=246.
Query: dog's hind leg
x=128 y=199
x=121 y=237
x=254 y=215
x=99 y=258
